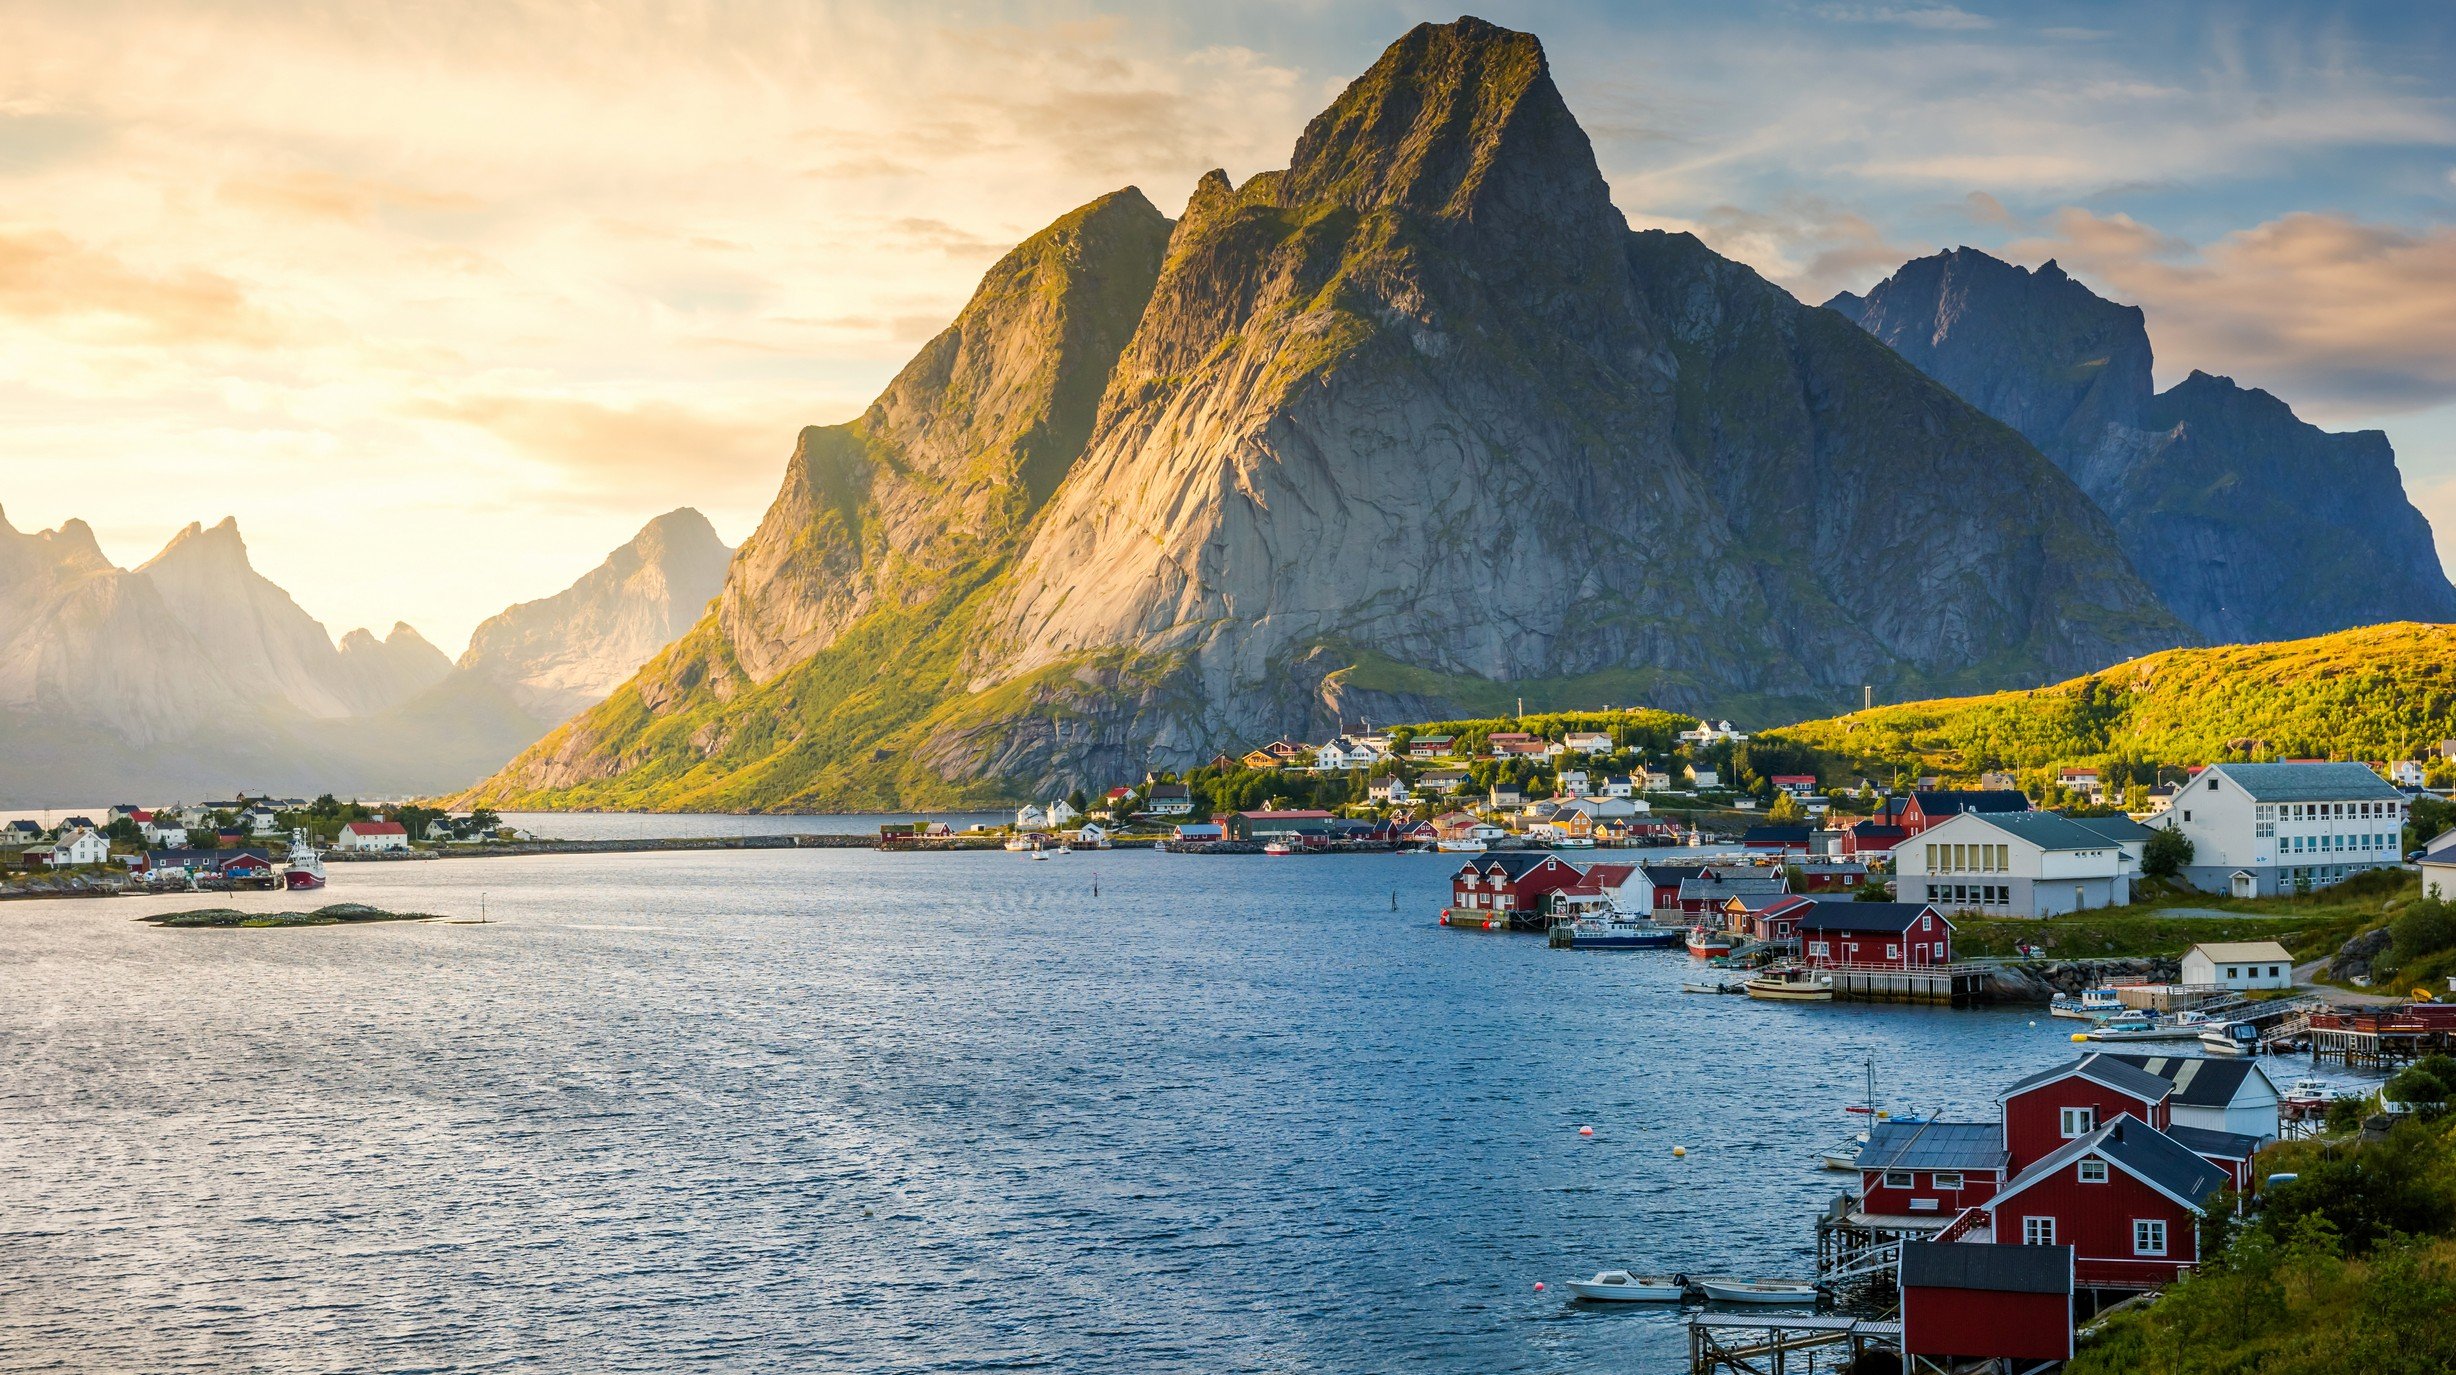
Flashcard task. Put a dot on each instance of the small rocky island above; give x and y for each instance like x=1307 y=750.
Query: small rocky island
x=334 y=914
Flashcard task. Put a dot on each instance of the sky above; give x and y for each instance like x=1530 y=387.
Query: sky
x=444 y=301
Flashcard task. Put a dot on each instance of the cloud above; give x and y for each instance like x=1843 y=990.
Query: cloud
x=330 y=195
x=48 y=278
x=1811 y=246
x=615 y=452
x=2341 y=316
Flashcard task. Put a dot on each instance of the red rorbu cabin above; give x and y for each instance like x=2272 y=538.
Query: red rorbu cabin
x=1507 y=889
x=1914 y=1170
x=2127 y=1198
x=1899 y=935
x=2054 y=1107
x=1971 y=1303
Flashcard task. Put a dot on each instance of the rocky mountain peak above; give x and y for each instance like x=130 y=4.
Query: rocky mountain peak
x=1454 y=121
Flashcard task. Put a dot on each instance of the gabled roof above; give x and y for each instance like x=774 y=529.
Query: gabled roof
x=1894 y=917
x=2046 y=830
x=2203 y=1142
x=2247 y=951
x=1716 y=889
x=1775 y=835
x=1994 y=1269
x=2308 y=782
x=2200 y=1081
x=2100 y=1068
x=2139 y=1150
x=1934 y=1146
x=1660 y=874
x=1517 y=863
x=375 y=828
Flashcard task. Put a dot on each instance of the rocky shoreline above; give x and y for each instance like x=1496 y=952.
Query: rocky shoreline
x=334 y=914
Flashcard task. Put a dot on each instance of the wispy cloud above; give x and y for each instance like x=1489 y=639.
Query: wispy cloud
x=1948 y=18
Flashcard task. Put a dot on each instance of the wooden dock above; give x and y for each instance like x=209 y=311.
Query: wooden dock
x=1755 y=1344
x=1940 y=985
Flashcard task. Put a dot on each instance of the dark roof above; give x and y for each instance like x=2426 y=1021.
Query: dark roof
x=2200 y=1081
x=2224 y=1145
x=1933 y=1146
x=2139 y=1150
x=2116 y=828
x=1864 y=916
x=1716 y=889
x=2101 y=1068
x=2305 y=782
x=1877 y=830
x=1999 y=1269
x=1770 y=835
x=1516 y=863
x=1950 y=803
x=1169 y=790
x=2048 y=831
x=1672 y=873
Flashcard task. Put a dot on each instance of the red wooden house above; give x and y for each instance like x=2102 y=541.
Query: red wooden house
x=2054 y=1107
x=1780 y=840
x=1508 y=888
x=1930 y=1169
x=1766 y=917
x=2127 y=1198
x=1971 y=1303
x=1665 y=880
x=1902 y=935
x=1870 y=840
x=1796 y=784
x=1926 y=807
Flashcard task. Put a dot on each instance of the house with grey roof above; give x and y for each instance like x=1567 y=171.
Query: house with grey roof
x=2232 y=1096
x=2263 y=829
x=2018 y=864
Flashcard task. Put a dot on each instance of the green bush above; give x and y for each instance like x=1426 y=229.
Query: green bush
x=2165 y=853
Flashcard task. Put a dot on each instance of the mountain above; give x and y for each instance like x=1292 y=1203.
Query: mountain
x=2248 y=522
x=1411 y=424
x=2378 y=692
x=194 y=674
x=563 y=654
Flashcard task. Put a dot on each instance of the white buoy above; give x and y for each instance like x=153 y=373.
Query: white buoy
x=1586 y=1131
x=1679 y=1152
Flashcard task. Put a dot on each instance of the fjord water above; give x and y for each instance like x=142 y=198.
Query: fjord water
x=842 y=1110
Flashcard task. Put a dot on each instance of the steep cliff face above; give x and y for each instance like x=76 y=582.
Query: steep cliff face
x=560 y=655
x=2249 y=523
x=1415 y=419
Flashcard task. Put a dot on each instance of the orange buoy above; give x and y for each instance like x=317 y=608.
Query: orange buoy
x=1586 y=1131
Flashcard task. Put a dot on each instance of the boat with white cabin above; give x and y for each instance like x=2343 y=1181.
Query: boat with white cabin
x=1621 y=1286
x=1459 y=847
x=1792 y=985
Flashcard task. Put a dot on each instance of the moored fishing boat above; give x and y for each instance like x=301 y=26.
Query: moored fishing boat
x=1620 y=933
x=1758 y=1291
x=305 y=872
x=1706 y=945
x=1459 y=847
x=1792 y=984
x=1620 y=1286
x=1279 y=847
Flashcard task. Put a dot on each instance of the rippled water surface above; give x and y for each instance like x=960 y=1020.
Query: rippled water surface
x=838 y=1110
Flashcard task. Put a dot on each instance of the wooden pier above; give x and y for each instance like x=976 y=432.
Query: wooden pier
x=1940 y=985
x=2388 y=1036
x=1753 y=1344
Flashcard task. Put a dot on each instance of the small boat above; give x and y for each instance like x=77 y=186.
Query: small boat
x=1278 y=847
x=1619 y=1286
x=1844 y=1155
x=1759 y=1291
x=1712 y=984
x=2093 y=1005
x=1065 y=849
x=1019 y=844
x=2231 y=1038
x=1791 y=986
x=2139 y=1028
x=1621 y=933
x=1459 y=847
x=1708 y=945
x=1040 y=854
x=2310 y=1093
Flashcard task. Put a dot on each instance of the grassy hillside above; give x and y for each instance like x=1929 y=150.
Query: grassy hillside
x=2381 y=692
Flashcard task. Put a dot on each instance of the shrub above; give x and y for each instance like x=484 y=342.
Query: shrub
x=2165 y=853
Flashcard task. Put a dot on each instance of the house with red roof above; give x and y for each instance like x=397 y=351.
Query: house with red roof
x=372 y=835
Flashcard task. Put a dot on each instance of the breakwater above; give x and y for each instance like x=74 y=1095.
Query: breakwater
x=636 y=845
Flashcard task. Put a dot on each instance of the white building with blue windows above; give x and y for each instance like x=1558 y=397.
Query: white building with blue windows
x=2262 y=829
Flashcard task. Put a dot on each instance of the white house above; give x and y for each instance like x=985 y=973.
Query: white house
x=79 y=847
x=1391 y=789
x=260 y=821
x=372 y=835
x=1707 y=732
x=2019 y=864
x=1060 y=812
x=1657 y=780
x=1619 y=785
x=1587 y=742
x=2238 y=964
x=1168 y=799
x=1702 y=778
x=2406 y=773
x=1345 y=752
x=1441 y=780
x=1506 y=797
x=1572 y=783
x=1030 y=818
x=2262 y=829
x=2439 y=868
x=2230 y=1095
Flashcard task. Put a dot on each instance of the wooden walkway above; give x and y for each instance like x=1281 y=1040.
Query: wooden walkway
x=1753 y=1344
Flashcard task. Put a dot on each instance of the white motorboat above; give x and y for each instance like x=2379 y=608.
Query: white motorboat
x=1844 y=1155
x=1710 y=984
x=1039 y=854
x=1791 y=985
x=1759 y=1291
x=2094 y=1005
x=2311 y=1093
x=1459 y=847
x=2231 y=1038
x=2139 y=1028
x=1619 y=1286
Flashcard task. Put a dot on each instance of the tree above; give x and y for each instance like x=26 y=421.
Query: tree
x=2166 y=852
x=1078 y=801
x=1786 y=810
x=2427 y=820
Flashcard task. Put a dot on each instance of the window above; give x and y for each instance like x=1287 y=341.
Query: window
x=1947 y=1179
x=1819 y=948
x=1893 y=952
x=2187 y=814
x=2038 y=1231
x=2079 y=1121
x=2212 y=785
x=1932 y=867
x=2093 y=1172
x=1898 y=1179
x=2148 y=1236
x=2272 y=971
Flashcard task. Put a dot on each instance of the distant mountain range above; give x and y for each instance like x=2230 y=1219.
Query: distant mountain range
x=1413 y=428
x=2248 y=523
x=194 y=674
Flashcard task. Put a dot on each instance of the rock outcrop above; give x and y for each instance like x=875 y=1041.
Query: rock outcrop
x=2248 y=522
x=560 y=655
x=1417 y=417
